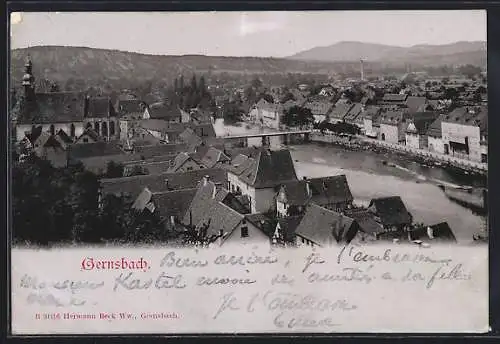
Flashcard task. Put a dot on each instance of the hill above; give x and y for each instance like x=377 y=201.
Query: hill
x=59 y=63
x=455 y=53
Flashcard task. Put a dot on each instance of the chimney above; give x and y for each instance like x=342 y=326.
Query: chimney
x=166 y=184
x=172 y=220
x=308 y=188
x=206 y=179
x=221 y=236
x=214 y=192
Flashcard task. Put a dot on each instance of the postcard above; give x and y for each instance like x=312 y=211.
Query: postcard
x=249 y=172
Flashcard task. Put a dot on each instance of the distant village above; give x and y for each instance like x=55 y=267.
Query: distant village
x=197 y=188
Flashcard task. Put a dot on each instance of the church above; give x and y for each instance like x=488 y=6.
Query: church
x=71 y=112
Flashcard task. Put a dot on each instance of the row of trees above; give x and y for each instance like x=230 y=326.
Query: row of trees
x=61 y=205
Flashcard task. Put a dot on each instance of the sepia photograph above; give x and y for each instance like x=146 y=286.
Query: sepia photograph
x=249 y=172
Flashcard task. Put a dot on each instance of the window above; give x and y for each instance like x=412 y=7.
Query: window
x=52 y=129
x=303 y=241
x=85 y=140
x=238 y=189
x=72 y=130
x=190 y=168
x=111 y=128
x=244 y=232
x=104 y=129
x=97 y=127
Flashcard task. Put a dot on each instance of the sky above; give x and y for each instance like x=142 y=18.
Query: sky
x=263 y=34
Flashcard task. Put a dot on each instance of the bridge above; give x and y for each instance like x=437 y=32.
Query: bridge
x=277 y=133
x=286 y=135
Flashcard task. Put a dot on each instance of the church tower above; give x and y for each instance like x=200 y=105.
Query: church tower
x=28 y=80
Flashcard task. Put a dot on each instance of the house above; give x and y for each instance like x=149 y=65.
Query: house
x=189 y=137
x=151 y=167
x=416 y=132
x=329 y=192
x=52 y=111
x=338 y=112
x=323 y=227
x=47 y=146
x=393 y=124
x=163 y=111
x=354 y=115
x=102 y=118
x=150 y=151
x=170 y=205
x=417 y=104
x=267 y=114
x=134 y=185
x=371 y=123
x=208 y=211
x=391 y=100
x=319 y=108
x=88 y=136
x=215 y=158
x=439 y=233
x=434 y=136
x=183 y=162
x=258 y=177
x=463 y=131
x=284 y=231
x=369 y=228
x=391 y=213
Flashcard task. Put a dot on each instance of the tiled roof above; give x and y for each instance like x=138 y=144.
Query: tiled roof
x=325 y=227
x=156 y=150
x=269 y=169
x=213 y=157
x=366 y=221
x=438 y=232
x=161 y=182
x=354 y=112
x=392 y=117
x=319 y=107
x=394 y=97
x=164 y=111
x=435 y=129
x=189 y=137
x=340 y=110
x=168 y=203
x=473 y=116
x=415 y=104
x=262 y=222
x=54 y=107
x=391 y=211
x=205 y=209
x=130 y=106
x=422 y=121
x=90 y=133
x=322 y=191
x=371 y=111
x=179 y=161
x=156 y=167
x=94 y=149
x=99 y=107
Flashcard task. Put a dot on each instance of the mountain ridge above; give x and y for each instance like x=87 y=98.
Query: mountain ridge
x=355 y=50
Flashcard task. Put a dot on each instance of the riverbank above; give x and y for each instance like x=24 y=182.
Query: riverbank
x=422 y=157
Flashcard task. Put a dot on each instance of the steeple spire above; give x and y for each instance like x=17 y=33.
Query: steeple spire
x=28 y=79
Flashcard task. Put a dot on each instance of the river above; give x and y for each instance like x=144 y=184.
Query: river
x=369 y=178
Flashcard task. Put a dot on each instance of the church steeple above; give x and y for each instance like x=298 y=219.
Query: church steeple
x=28 y=79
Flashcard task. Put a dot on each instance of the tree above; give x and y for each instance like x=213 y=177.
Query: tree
x=114 y=170
x=231 y=113
x=288 y=96
x=256 y=83
x=194 y=86
x=451 y=93
x=199 y=236
x=297 y=116
x=469 y=70
x=202 y=86
x=267 y=97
